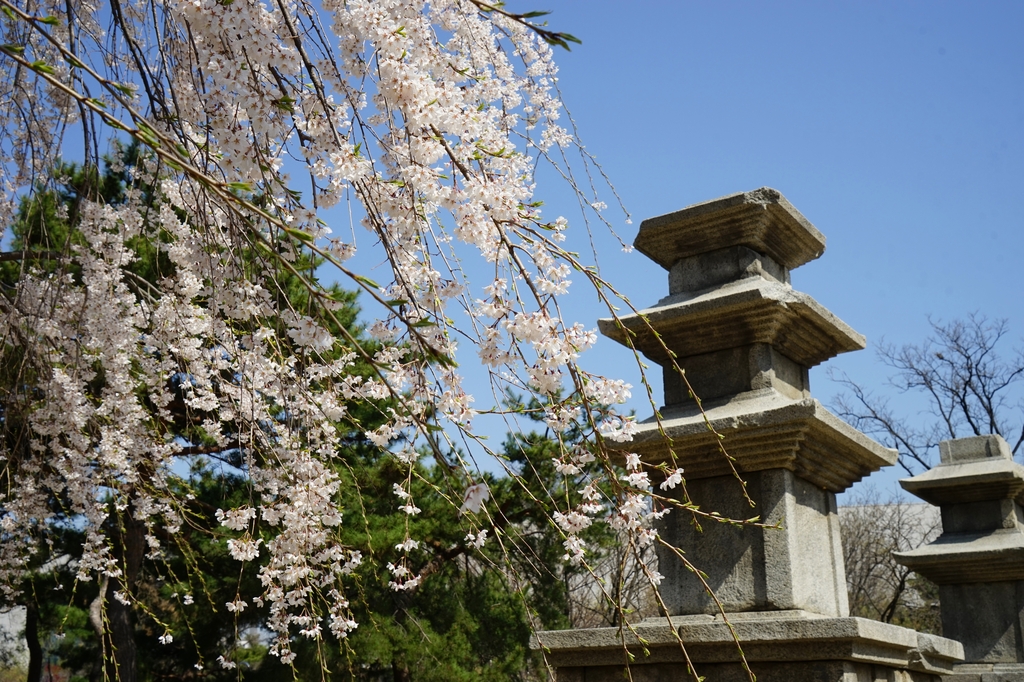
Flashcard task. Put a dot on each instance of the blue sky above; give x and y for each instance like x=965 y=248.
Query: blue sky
x=897 y=128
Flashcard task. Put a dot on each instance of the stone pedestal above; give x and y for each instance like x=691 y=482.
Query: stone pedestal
x=745 y=341
x=978 y=561
x=779 y=646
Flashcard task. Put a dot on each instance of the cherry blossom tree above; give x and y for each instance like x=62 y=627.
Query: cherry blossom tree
x=258 y=121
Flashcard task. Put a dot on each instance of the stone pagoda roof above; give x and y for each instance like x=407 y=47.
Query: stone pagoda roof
x=762 y=220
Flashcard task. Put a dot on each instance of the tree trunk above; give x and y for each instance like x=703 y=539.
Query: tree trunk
x=399 y=672
x=35 y=650
x=121 y=638
x=119 y=633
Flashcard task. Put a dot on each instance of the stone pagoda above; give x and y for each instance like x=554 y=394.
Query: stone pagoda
x=734 y=332
x=978 y=561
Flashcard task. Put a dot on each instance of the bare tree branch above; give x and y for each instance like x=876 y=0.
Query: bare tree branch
x=872 y=528
x=972 y=386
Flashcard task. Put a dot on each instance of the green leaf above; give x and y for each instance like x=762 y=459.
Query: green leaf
x=561 y=40
x=444 y=360
x=146 y=134
x=299 y=234
x=367 y=281
x=42 y=67
x=13 y=49
x=50 y=21
x=284 y=103
x=149 y=140
x=534 y=14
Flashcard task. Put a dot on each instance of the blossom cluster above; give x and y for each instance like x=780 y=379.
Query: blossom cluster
x=428 y=119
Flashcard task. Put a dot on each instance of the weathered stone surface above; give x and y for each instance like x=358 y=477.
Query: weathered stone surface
x=742 y=313
x=763 y=430
x=762 y=220
x=717 y=268
x=973 y=449
x=987 y=619
x=980 y=516
x=994 y=556
x=790 y=671
x=982 y=468
x=734 y=371
x=797 y=564
x=771 y=642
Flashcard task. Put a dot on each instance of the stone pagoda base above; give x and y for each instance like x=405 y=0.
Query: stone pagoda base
x=779 y=646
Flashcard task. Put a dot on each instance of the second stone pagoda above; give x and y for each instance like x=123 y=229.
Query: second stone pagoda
x=744 y=341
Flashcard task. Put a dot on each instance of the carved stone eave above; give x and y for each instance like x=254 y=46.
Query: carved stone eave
x=994 y=556
x=767 y=636
x=762 y=220
x=753 y=310
x=763 y=430
x=973 y=481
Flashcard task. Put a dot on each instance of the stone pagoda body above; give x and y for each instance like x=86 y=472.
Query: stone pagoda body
x=744 y=340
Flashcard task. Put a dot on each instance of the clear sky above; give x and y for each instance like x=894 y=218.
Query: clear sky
x=896 y=128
